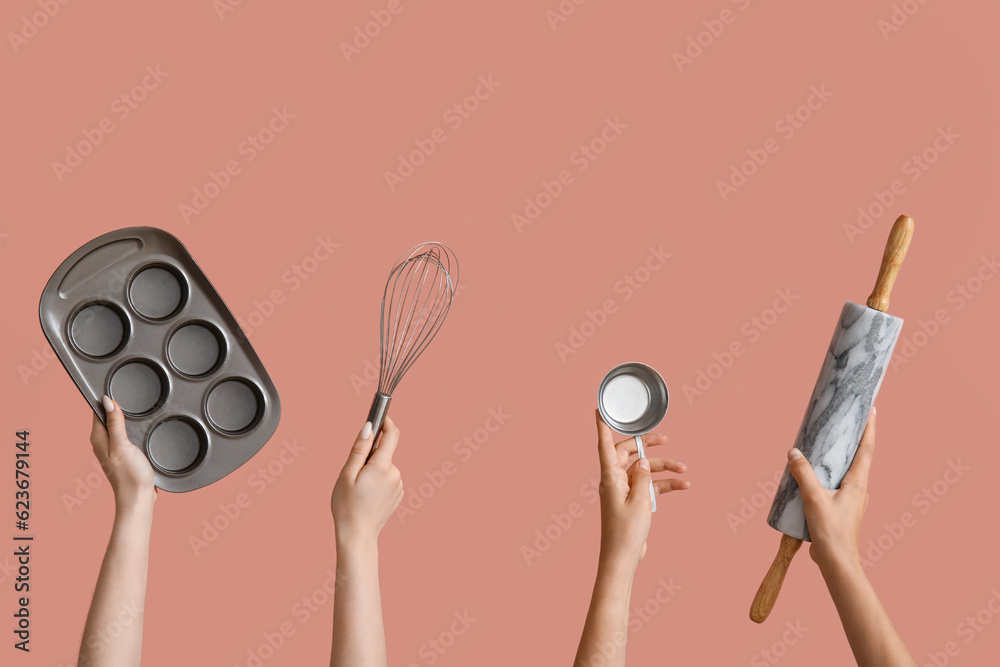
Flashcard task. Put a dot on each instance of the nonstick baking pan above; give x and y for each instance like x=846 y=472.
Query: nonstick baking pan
x=131 y=315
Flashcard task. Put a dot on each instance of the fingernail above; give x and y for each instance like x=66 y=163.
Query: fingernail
x=794 y=454
x=874 y=411
x=366 y=431
x=682 y=465
x=109 y=405
x=644 y=464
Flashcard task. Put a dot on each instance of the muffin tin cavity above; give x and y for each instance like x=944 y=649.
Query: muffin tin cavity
x=138 y=386
x=176 y=445
x=156 y=292
x=234 y=406
x=195 y=349
x=99 y=329
x=131 y=315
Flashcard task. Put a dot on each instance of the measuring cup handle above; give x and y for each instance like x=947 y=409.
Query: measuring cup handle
x=642 y=455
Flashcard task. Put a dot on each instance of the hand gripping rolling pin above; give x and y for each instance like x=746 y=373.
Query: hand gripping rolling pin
x=838 y=410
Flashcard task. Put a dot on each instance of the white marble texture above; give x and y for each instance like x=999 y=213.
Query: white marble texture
x=831 y=430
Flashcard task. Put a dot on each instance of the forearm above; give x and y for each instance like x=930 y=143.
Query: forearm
x=358 y=631
x=606 y=628
x=112 y=636
x=873 y=638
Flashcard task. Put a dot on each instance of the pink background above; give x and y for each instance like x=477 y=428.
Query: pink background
x=655 y=185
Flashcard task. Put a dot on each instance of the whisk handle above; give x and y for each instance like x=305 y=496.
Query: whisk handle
x=376 y=415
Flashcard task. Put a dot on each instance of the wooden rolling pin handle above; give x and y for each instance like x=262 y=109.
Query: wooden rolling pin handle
x=763 y=602
x=892 y=259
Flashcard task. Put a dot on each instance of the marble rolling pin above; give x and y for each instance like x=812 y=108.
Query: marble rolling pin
x=838 y=410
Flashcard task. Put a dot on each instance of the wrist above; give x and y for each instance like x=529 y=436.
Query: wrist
x=134 y=509
x=356 y=546
x=133 y=522
x=839 y=564
x=617 y=562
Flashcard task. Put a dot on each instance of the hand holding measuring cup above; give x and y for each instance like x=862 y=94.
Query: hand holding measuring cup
x=633 y=400
x=625 y=521
x=625 y=517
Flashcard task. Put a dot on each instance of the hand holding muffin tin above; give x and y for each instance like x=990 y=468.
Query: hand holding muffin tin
x=131 y=315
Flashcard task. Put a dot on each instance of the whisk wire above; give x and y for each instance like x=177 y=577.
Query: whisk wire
x=417 y=299
x=430 y=321
x=408 y=294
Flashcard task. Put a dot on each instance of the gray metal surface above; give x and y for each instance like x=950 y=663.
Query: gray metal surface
x=131 y=315
x=378 y=411
x=195 y=349
x=175 y=445
x=139 y=387
x=156 y=292
x=98 y=330
x=233 y=406
x=633 y=398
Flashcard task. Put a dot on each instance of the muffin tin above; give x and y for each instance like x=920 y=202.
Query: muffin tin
x=131 y=315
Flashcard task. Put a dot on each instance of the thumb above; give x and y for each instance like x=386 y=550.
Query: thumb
x=115 y=422
x=639 y=484
x=359 y=452
x=812 y=491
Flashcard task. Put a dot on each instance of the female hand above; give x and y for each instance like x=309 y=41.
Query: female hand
x=834 y=516
x=126 y=467
x=626 y=509
x=366 y=494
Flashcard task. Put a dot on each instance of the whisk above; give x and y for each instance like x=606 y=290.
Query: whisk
x=416 y=301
